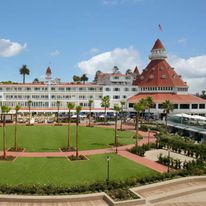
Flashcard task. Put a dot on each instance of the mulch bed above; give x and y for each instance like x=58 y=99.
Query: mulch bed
x=18 y=149
x=8 y=158
x=79 y=158
x=67 y=149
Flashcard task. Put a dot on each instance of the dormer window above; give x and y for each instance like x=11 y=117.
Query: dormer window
x=116 y=78
x=151 y=76
x=164 y=76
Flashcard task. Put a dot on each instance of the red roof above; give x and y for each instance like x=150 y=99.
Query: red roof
x=48 y=71
x=159 y=73
x=173 y=98
x=158 y=45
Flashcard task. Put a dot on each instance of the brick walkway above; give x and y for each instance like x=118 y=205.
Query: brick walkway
x=122 y=151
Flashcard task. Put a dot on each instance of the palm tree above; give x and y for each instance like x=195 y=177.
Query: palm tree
x=138 y=107
x=70 y=106
x=58 y=105
x=78 y=109
x=4 y=110
x=90 y=109
x=122 y=107
x=117 y=109
x=24 y=70
x=105 y=103
x=84 y=78
x=17 y=108
x=168 y=107
x=149 y=104
x=29 y=107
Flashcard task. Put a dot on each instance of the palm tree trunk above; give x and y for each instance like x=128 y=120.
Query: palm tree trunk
x=29 y=115
x=89 y=116
x=68 y=129
x=15 y=131
x=4 y=137
x=137 y=128
x=58 y=115
x=166 y=121
x=23 y=78
x=105 y=112
x=77 y=146
x=115 y=133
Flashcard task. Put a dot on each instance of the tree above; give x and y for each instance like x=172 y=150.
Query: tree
x=76 y=78
x=90 y=110
x=105 y=103
x=24 y=70
x=29 y=107
x=129 y=71
x=17 y=108
x=70 y=106
x=36 y=80
x=115 y=70
x=78 y=109
x=168 y=107
x=138 y=107
x=203 y=94
x=5 y=110
x=58 y=105
x=149 y=104
x=122 y=113
x=96 y=75
x=84 y=78
x=117 y=109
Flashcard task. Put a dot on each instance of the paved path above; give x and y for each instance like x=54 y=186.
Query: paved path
x=122 y=151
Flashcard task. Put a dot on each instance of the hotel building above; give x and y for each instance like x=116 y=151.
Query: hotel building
x=158 y=80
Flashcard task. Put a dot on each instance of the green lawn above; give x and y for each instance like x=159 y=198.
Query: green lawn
x=61 y=171
x=51 y=138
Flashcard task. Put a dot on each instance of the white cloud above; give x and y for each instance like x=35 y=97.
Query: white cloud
x=182 y=41
x=9 y=48
x=93 y=51
x=193 y=70
x=55 y=53
x=124 y=58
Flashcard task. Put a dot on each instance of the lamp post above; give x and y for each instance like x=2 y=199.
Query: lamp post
x=108 y=167
x=148 y=135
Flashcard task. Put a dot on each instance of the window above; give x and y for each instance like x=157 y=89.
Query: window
x=116 y=89
x=124 y=97
x=116 y=78
x=116 y=97
x=160 y=106
x=68 y=88
x=126 y=89
x=202 y=106
x=194 y=106
x=107 y=89
x=184 y=106
x=134 y=89
x=131 y=105
x=127 y=78
x=175 y=106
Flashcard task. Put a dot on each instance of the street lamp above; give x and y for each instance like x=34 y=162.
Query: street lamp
x=108 y=164
x=148 y=134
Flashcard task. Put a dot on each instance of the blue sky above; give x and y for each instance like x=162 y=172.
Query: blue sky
x=74 y=35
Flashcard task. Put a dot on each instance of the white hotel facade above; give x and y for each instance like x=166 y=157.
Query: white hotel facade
x=158 y=80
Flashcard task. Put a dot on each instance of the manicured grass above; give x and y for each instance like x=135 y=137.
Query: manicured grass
x=61 y=171
x=51 y=138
